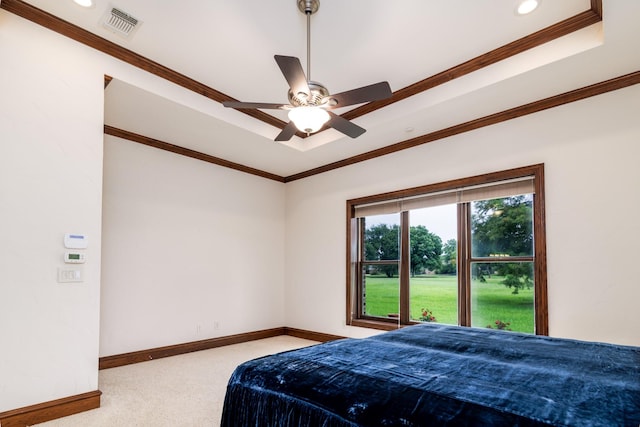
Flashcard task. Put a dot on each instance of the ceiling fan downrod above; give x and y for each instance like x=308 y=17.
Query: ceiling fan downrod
x=308 y=7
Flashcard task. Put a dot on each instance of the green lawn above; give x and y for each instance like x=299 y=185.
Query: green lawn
x=491 y=301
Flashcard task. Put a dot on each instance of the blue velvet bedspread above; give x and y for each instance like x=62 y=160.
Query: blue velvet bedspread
x=435 y=375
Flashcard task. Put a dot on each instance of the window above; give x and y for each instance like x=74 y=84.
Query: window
x=467 y=252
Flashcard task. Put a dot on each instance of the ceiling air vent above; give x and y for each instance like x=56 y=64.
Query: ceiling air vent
x=120 y=22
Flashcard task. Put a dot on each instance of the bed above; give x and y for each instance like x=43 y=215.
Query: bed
x=438 y=375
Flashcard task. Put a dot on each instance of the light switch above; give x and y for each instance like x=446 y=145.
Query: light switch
x=67 y=275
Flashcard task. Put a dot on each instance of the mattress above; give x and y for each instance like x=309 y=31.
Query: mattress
x=439 y=375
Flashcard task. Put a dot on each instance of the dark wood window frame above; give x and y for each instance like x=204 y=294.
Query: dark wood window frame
x=354 y=315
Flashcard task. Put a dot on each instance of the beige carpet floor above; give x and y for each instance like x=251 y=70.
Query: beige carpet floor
x=186 y=390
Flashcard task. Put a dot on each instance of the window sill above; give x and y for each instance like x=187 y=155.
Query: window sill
x=376 y=324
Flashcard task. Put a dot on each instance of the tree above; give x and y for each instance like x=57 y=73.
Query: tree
x=449 y=257
x=426 y=248
x=381 y=243
x=504 y=227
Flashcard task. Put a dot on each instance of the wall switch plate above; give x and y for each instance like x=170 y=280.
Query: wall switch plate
x=67 y=275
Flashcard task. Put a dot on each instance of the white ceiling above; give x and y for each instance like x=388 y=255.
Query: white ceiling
x=229 y=45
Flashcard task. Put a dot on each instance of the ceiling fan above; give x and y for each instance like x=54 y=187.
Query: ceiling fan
x=310 y=103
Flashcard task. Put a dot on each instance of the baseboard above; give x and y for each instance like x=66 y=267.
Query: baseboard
x=48 y=411
x=310 y=335
x=175 y=350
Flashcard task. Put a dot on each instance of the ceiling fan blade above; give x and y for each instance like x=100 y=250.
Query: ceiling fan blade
x=293 y=72
x=289 y=130
x=345 y=126
x=260 y=105
x=374 y=92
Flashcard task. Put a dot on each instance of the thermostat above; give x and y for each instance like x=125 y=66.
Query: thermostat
x=74 y=258
x=76 y=241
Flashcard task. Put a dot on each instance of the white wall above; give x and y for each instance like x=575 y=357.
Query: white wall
x=51 y=161
x=190 y=250
x=50 y=184
x=590 y=151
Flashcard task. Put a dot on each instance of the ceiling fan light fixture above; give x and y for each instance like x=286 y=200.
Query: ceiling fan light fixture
x=309 y=119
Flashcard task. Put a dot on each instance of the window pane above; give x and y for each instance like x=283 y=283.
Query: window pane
x=382 y=237
x=434 y=298
x=502 y=296
x=433 y=286
x=381 y=287
x=381 y=295
x=502 y=227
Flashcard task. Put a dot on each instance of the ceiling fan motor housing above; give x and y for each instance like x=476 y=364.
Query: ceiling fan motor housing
x=319 y=96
